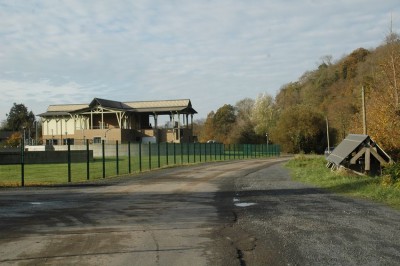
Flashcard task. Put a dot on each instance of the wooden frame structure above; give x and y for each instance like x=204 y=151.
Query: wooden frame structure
x=359 y=153
x=109 y=120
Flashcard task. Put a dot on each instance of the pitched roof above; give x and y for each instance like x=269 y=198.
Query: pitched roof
x=109 y=104
x=162 y=107
x=346 y=147
x=66 y=107
x=351 y=144
x=62 y=109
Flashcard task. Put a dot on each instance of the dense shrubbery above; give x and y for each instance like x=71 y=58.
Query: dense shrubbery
x=391 y=175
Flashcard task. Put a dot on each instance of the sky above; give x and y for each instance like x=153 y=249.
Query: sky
x=212 y=52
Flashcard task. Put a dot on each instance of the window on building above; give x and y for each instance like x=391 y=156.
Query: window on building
x=71 y=141
x=97 y=140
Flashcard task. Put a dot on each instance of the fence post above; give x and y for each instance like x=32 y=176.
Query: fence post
x=69 y=160
x=103 y=152
x=158 y=155
x=140 y=156
x=149 y=155
x=223 y=147
x=117 y=155
x=205 y=152
x=129 y=157
x=166 y=152
x=174 y=146
x=194 y=152
x=87 y=160
x=188 y=151
x=22 y=162
x=200 y=151
x=181 y=144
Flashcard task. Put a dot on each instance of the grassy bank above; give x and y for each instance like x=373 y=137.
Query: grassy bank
x=312 y=170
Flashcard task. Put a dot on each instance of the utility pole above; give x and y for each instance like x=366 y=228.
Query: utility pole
x=327 y=132
x=367 y=162
x=364 y=111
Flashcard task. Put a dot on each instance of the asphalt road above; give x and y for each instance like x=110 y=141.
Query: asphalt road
x=228 y=213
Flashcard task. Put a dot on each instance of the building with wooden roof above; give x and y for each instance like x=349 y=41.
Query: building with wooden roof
x=109 y=120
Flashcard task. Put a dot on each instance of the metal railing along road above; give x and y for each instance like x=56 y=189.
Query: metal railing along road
x=79 y=163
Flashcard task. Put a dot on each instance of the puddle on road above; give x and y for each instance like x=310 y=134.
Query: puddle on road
x=242 y=204
x=245 y=204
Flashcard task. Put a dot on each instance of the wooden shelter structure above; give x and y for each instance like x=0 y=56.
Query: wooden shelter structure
x=359 y=153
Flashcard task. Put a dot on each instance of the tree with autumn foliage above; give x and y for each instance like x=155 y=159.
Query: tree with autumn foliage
x=224 y=121
x=264 y=114
x=243 y=131
x=382 y=97
x=14 y=140
x=300 y=128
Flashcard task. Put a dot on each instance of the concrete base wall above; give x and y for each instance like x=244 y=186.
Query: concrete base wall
x=39 y=157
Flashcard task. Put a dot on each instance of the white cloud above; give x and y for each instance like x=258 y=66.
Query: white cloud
x=38 y=95
x=213 y=52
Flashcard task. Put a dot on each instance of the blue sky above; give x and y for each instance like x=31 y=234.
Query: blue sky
x=213 y=52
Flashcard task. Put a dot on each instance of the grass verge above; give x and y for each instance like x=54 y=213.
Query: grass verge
x=312 y=170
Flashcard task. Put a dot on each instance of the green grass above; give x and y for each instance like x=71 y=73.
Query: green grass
x=312 y=170
x=48 y=174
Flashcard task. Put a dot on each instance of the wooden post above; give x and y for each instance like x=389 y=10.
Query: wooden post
x=364 y=112
x=367 y=159
x=327 y=133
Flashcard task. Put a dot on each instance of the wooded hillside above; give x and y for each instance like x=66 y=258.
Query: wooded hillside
x=296 y=118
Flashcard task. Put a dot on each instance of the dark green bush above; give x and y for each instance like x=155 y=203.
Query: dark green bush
x=393 y=171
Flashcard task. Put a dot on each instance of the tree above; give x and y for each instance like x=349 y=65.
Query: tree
x=14 y=140
x=391 y=66
x=198 y=128
x=300 y=129
x=244 y=109
x=223 y=122
x=382 y=97
x=19 y=117
x=208 y=128
x=288 y=95
x=243 y=131
x=264 y=114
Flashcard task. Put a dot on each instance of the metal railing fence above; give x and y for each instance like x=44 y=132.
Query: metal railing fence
x=79 y=163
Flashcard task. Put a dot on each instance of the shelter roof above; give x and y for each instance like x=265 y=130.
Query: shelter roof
x=352 y=144
x=346 y=147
